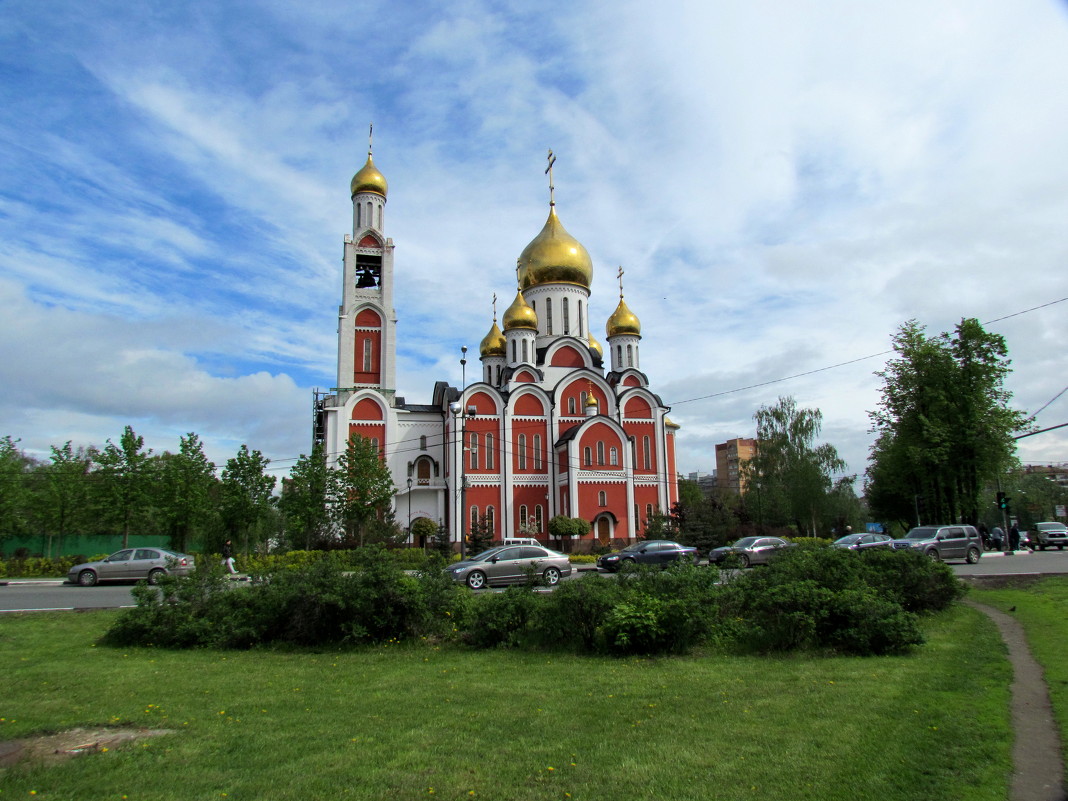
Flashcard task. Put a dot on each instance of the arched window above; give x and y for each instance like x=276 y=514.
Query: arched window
x=525 y=357
x=374 y=443
x=474 y=518
x=538 y=520
x=613 y=456
x=498 y=374
x=537 y=451
x=567 y=317
x=648 y=511
x=490 y=520
x=472 y=449
x=600 y=453
x=367 y=355
x=630 y=355
x=380 y=217
x=580 y=325
x=587 y=456
x=522 y=516
x=637 y=519
x=582 y=398
x=548 y=315
x=370 y=216
x=358 y=209
x=602 y=498
x=522 y=452
x=422 y=442
x=490 y=456
x=570 y=405
x=619 y=354
x=647 y=456
x=514 y=359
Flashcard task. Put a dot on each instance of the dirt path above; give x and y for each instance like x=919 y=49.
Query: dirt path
x=1038 y=774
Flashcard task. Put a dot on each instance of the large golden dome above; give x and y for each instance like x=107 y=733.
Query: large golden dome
x=595 y=345
x=554 y=257
x=369 y=179
x=623 y=321
x=520 y=314
x=494 y=343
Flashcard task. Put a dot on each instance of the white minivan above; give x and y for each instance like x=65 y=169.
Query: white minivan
x=520 y=541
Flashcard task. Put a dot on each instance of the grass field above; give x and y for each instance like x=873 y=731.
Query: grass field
x=1042 y=609
x=407 y=722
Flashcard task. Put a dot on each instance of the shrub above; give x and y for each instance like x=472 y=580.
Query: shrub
x=571 y=616
x=497 y=620
x=916 y=582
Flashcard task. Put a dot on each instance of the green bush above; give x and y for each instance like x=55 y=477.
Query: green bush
x=571 y=616
x=916 y=582
x=498 y=620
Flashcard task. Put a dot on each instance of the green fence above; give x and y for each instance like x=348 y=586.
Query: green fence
x=86 y=545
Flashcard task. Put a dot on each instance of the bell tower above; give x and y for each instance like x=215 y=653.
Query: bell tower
x=367 y=321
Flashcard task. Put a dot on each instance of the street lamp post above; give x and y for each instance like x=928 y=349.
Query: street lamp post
x=410 y=507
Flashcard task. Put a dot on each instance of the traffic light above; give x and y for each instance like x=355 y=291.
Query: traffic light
x=1003 y=501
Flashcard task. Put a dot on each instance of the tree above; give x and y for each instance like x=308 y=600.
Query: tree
x=793 y=473
x=706 y=520
x=184 y=496
x=64 y=498
x=14 y=495
x=943 y=426
x=562 y=526
x=125 y=482
x=481 y=535
x=360 y=489
x=246 y=494
x=304 y=500
x=424 y=530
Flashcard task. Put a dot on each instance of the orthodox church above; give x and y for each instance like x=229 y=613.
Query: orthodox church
x=547 y=426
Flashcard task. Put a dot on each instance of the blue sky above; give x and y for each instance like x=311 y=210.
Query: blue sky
x=785 y=183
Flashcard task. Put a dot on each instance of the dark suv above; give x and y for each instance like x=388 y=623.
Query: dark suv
x=944 y=542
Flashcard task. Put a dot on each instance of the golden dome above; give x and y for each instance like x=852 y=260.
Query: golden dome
x=591 y=400
x=623 y=321
x=494 y=343
x=595 y=345
x=520 y=315
x=369 y=179
x=554 y=257
x=671 y=423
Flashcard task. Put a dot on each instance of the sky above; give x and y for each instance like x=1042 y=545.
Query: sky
x=784 y=183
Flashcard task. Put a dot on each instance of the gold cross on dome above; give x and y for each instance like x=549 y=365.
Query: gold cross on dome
x=619 y=275
x=370 y=138
x=494 y=307
x=549 y=172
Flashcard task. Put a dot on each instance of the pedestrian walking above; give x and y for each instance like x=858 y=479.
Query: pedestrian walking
x=1014 y=537
x=997 y=536
x=228 y=556
x=984 y=533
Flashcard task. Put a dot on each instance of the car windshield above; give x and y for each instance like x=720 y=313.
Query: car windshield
x=923 y=533
x=1050 y=527
x=633 y=547
x=745 y=542
x=482 y=557
x=848 y=539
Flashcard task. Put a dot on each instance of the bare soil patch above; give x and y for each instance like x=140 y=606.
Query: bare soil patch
x=56 y=748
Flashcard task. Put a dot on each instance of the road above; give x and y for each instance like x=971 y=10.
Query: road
x=54 y=595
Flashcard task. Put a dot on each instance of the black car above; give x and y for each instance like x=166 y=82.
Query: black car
x=862 y=542
x=647 y=552
x=749 y=551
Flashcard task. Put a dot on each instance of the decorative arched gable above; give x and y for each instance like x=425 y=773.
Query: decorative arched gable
x=568 y=356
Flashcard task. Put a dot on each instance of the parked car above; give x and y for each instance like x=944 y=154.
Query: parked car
x=749 y=551
x=647 y=552
x=944 y=542
x=511 y=564
x=862 y=542
x=1048 y=535
x=131 y=564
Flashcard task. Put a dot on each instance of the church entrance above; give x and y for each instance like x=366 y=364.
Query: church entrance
x=604 y=530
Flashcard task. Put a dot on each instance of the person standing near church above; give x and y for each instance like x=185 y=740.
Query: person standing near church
x=228 y=556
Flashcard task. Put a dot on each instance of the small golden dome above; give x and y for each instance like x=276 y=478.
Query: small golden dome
x=554 y=257
x=623 y=321
x=595 y=346
x=591 y=400
x=494 y=343
x=369 y=179
x=671 y=423
x=520 y=314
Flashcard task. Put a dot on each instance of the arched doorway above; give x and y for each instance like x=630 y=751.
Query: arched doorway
x=603 y=527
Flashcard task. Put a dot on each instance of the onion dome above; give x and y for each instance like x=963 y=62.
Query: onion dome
x=554 y=257
x=671 y=423
x=494 y=343
x=590 y=400
x=623 y=321
x=595 y=346
x=520 y=314
x=369 y=179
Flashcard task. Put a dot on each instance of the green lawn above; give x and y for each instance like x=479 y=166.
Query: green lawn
x=1042 y=609
x=406 y=722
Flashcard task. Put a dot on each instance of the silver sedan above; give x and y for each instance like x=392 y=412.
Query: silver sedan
x=511 y=565
x=131 y=564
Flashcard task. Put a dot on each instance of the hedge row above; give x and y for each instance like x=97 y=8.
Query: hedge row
x=812 y=599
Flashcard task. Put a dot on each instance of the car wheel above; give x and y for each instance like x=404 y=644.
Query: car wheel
x=154 y=576
x=933 y=555
x=87 y=578
x=628 y=561
x=476 y=579
x=973 y=556
x=743 y=559
x=551 y=576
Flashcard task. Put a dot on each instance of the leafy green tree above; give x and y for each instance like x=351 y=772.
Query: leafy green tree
x=360 y=489
x=562 y=526
x=246 y=495
x=64 y=496
x=124 y=481
x=14 y=492
x=943 y=426
x=304 y=500
x=424 y=531
x=795 y=473
x=706 y=520
x=184 y=492
x=481 y=535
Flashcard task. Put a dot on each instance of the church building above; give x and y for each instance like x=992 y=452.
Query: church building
x=550 y=425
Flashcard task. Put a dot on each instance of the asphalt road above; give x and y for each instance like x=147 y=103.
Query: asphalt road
x=54 y=595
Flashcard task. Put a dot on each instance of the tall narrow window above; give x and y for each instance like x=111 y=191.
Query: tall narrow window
x=570 y=405
x=367 y=355
x=490 y=526
x=370 y=218
x=583 y=399
x=637 y=519
x=619 y=354
x=587 y=456
x=379 y=218
x=581 y=327
x=472 y=450
x=648 y=511
x=538 y=519
x=630 y=355
x=537 y=451
x=522 y=516
x=490 y=455
x=567 y=317
x=548 y=315
x=358 y=210
x=522 y=452
x=474 y=518
x=600 y=453
x=613 y=456
x=525 y=357
x=646 y=457
x=602 y=498
x=514 y=346
x=374 y=444
x=422 y=442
